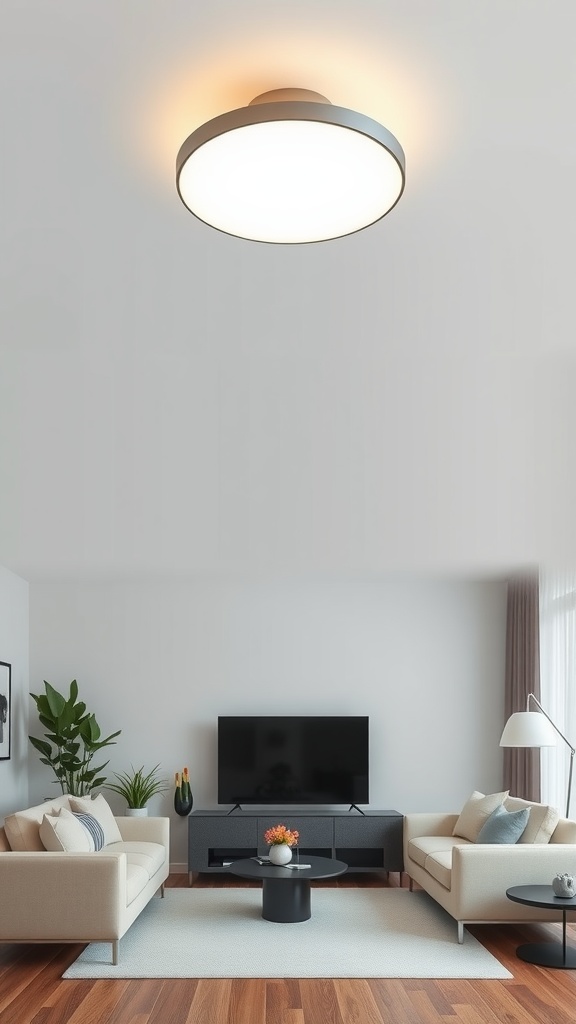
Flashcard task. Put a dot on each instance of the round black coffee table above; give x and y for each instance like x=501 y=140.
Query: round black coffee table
x=285 y=891
x=545 y=954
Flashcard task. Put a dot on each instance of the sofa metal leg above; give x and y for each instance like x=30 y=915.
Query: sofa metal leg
x=115 y=952
x=460 y=932
x=411 y=886
x=162 y=891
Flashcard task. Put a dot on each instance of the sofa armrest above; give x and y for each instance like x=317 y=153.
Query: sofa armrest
x=428 y=824
x=61 y=895
x=482 y=873
x=515 y=864
x=145 y=830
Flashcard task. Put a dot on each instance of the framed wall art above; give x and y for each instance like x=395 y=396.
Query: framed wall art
x=5 y=710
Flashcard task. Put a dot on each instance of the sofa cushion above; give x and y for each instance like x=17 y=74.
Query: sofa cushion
x=101 y=810
x=439 y=865
x=23 y=827
x=149 y=856
x=475 y=812
x=63 y=832
x=420 y=848
x=136 y=880
x=541 y=823
x=503 y=826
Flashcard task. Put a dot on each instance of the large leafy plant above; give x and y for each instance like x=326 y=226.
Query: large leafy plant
x=72 y=739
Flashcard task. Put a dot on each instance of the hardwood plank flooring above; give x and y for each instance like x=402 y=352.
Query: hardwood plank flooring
x=32 y=990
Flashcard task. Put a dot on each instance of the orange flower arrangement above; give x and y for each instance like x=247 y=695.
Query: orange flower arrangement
x=280 y=834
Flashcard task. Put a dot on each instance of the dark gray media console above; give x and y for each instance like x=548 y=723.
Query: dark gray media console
x=366 y=842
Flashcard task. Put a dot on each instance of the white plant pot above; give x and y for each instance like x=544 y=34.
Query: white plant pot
x=280 y=854
x=137 y=812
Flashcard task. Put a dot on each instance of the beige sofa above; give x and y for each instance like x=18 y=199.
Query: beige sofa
x=470 y=880
x=78 y=897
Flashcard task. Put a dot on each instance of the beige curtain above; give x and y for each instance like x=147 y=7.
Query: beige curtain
x=522 y=765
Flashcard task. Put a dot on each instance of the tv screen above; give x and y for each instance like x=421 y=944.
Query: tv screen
x=293 y=760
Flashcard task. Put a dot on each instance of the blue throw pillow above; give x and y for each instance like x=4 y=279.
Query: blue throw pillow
x=504 y=826
x=93 y=827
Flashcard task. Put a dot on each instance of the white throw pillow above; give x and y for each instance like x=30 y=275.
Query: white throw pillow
x=541 y=823
x=101 y=810
x=22 y=827
x=62 y=832
x=475 y=812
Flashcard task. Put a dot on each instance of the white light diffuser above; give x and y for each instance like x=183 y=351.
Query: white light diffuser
x=290 y=168
x=528 y=729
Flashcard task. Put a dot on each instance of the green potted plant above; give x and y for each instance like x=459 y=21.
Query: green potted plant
x=137 y=788
x=72 y=738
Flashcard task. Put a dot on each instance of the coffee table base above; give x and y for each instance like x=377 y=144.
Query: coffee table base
x=284 y=902
x=547 y=954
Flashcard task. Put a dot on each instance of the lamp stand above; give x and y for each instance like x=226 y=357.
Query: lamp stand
x=562 y=736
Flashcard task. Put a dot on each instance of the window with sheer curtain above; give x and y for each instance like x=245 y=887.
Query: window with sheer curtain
x=558 y=680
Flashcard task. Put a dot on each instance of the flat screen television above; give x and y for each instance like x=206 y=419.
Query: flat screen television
x=293 y=760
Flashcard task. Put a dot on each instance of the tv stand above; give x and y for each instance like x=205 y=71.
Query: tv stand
x=233 y=809
x=370 y=842
x=352 y=806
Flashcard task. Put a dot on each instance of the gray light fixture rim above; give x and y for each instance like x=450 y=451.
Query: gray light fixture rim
x=294 y=110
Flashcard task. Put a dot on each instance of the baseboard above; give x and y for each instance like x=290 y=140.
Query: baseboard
x=178 y=868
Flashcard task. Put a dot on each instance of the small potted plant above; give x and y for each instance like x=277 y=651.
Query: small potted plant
x=137 y=788
x=281 y=840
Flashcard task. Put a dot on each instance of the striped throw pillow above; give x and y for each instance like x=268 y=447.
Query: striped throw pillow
x=93 y=827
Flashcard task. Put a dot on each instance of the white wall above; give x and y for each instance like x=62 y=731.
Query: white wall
x=14 y=650
x=423 y=658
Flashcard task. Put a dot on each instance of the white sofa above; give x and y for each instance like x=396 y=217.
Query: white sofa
x=78 y=897
x=470 y=880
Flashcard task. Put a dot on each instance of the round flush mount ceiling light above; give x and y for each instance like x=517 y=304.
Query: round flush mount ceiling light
x=290 y=168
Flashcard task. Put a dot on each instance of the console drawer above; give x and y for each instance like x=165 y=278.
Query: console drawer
x=314 y=832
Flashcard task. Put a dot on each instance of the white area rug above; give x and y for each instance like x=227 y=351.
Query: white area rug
x=353 y=933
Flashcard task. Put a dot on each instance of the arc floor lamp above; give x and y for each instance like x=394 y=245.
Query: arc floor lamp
x=535 y=729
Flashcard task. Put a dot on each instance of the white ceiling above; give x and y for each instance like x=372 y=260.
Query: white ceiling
x=175 y=401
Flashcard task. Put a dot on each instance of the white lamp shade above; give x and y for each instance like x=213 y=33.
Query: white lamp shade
x=528 y=729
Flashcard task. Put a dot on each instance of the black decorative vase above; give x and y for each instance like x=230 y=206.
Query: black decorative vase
x=183 y=799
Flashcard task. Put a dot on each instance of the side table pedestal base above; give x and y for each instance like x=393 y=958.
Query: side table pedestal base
x=547 y=954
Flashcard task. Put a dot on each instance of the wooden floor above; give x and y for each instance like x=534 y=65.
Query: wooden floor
x=32 y=991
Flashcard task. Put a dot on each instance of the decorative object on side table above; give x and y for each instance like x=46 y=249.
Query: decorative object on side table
x=281 y=840
x=75 y=734
x=5 y=717
x=183 y=799
x=137 y=788
x=564 y=886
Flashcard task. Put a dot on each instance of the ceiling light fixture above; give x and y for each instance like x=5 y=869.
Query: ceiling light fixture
x=290 y=168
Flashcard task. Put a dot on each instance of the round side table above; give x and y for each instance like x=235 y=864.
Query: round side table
x=545 y=954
